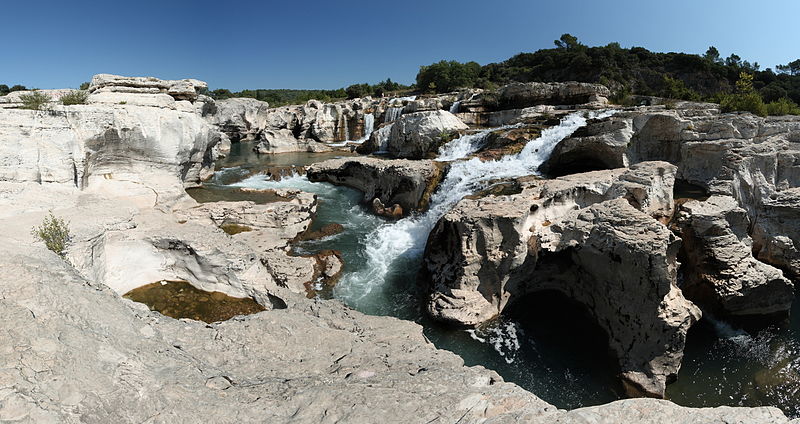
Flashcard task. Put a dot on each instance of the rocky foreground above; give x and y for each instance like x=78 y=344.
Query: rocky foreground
x=73 y=350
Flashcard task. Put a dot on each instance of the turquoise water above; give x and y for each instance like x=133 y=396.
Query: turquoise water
x=548 y=347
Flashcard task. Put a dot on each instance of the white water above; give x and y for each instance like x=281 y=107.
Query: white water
x=344 y=124
x=392 y=114
x=455 y=106
x=369 y=126
x=406 y=238
x=467 y=144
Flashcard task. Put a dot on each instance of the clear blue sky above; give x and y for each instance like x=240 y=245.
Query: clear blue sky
x=330 y=44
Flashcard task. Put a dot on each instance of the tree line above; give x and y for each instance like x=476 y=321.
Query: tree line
x=280 y=97
x=633 y=70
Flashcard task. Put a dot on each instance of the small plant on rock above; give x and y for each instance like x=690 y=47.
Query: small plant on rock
x=75 y=97
x=35 y=100
x=54 y=232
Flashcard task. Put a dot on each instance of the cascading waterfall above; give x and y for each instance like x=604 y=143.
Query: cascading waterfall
x=467 y=144
x=455 y=106
x=343 y=125
x=369 y=126
x=406 y=238
x=392 y=114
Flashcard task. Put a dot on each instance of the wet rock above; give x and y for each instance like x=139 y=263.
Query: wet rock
x=326 y=231
x=406 y=183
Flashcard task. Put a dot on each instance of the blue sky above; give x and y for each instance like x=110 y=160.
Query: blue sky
x=330 y=44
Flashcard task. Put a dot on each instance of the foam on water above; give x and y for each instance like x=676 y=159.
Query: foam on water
x=465 y=145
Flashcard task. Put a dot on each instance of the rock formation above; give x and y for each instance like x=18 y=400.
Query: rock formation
x=720 y=271
x=594 y=237
x=116 y=169
x=406 y=183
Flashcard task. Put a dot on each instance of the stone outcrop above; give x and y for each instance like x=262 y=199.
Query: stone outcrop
x=416 y=135
x=127 y=148
x=522 y=95
x=594 y=237
x=406 y=183
x=752 y=159
x=241 y=119
x=720 y=272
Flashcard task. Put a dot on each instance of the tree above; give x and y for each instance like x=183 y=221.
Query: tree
x=4 y=90
x=567 y=42
x=713 y=55
x=18 y=88
x=447 y=76
x=734 y=60
x=85 y=86
x=792 y=68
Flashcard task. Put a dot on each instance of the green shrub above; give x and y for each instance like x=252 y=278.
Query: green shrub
x=782 y=106
x=747 y=102
x=54 y=232
x=746 y=99
x=35 y=100
x=75 y=97
x=85 y=86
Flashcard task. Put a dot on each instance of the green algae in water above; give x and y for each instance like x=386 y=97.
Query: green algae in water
x=179 y=299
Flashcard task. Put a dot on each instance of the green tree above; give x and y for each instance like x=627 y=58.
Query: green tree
x=84 y=86
x=713 y=55
x=18 y=88
x=567 y=41
x=4 y=90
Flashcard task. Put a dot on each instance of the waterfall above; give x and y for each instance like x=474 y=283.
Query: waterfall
x=392 y=114
x=343 y=124
x=406 y=238
x=455 y=106
x=369 y=126
x=467 y=144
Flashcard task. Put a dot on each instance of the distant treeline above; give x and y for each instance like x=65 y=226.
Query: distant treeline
x=280 y=97
x=4 y=89
x=626 y=71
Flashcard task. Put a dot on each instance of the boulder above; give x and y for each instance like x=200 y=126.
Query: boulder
x=720 y=272
x=406 y=183
x=241 y=119
x=594 y=237
x=416 y=135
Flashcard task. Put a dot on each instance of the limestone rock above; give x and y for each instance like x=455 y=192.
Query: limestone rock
x=404 y=182
x=417 y=134
x=522 y=95
x=240 y=118
x=559 y=235
x=186 y=89
x=721 y=272
x=125 y=148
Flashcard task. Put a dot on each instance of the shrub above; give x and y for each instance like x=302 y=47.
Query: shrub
x=747 y=102
x=746 y=99
x=35 y=100
x=85 y=86
x=783 y=106
x=75 y=97
x=54 y=232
